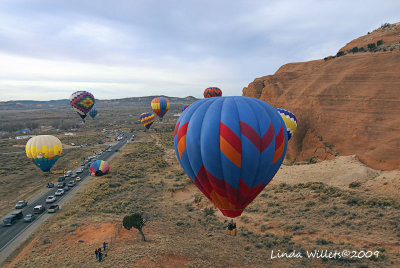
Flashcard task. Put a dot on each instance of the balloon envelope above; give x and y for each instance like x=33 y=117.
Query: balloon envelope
x=44 y=151
x=212 y=92
x=93 y=112
x=160 y=106
x=290 y=121
x=82 y=102
x=99 y=168
x=231 y=148
x=184 y=107
x=147 y=119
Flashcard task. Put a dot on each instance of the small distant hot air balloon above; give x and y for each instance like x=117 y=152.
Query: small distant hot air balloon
x=231 y=148
x=160 y=106
x=82 y=102
x=99 y=168
x=44 y=151
x=212 y=92
x=93 y=112
x=147 y=119
x=184 y=107
x=290 y=121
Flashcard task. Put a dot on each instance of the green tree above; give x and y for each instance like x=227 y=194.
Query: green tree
x=136 y=221
x=354 y=49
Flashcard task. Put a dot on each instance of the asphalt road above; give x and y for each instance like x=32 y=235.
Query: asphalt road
x=10 y=233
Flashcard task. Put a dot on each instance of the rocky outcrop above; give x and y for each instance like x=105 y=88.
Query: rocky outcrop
x=346 y=105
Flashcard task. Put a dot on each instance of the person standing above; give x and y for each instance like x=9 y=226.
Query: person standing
x=104 y=245
x=100 y=256
x=96 y=252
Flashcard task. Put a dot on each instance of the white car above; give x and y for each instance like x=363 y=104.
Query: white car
x=51 y=199
x=59 y=192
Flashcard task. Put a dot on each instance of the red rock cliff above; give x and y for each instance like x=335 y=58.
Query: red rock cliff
x=344 y=105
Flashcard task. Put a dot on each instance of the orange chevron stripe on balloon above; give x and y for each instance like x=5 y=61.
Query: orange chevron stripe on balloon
x=230 y=145
x=181 y=138
x=279 y=145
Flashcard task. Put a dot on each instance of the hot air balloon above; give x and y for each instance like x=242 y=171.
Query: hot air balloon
x=184 y=107
x=160 y=106
x=81 y=102
x=99 y=168
x=212 y=92
x=231 y=148
x=44 y=151
x=290 y=121
x=147 y=119
x=93 y=112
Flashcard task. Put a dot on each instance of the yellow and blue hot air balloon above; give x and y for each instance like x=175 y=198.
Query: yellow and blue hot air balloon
x=44 y=151
x=231 y=148
x=290 y=121
x=147 y=119
x=160 y=106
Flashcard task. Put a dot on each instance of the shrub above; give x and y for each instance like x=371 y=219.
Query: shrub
x=340 y=53
x=355 y=184
x=354 y=49
x=380 y=42
x=371 y=46
x=209 y=211
x=136 y=221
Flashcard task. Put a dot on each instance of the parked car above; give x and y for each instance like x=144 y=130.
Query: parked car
x=61 y=178
x=71 y=183
x=21 y=204
x=79 y=170
x=51 y=199
x=59 y=192
x=29 y=217
x=78 y=179
x=66 y=188
x=53 y=208
x=73 y=176
x=68 y=173
x=9 y=220
x=38 y=209
x=61 y=185
x=101 y=142
x=18 y=214
x=50 y=185
x=109 y=150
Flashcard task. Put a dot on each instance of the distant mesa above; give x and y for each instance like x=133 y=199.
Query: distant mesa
x=344 y=106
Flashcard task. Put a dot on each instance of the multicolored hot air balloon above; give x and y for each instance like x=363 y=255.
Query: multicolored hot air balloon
x=231 y=148
x=82 y=102
x=99 y=168
x=290 y=121
x=44 y=151
x=160 y=106
x=147 y=119
x=184 y=107
x=93 y=112
x=212 y=92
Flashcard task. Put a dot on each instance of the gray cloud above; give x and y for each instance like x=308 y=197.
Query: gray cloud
x=131 y=48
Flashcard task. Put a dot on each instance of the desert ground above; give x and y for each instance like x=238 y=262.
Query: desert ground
x=339 y=204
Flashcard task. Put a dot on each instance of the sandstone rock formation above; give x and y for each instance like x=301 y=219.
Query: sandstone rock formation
x=344 y=105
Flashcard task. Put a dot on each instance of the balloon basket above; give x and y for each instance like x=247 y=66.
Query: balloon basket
x=231 y=232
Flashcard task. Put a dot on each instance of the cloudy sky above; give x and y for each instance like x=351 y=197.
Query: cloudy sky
x=116 y=49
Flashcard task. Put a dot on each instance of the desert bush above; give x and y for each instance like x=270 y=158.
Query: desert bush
x=355 y=184
x=380 y=42
x=354 y=49
x=209 y=211
x=371 y=46
x=340 y=53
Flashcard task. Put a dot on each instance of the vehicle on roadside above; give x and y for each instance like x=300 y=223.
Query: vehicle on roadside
x=71 y=183
x=38 y=209
x=73 y=176
x=78 y=179
x=29 y=218
x=18 y=214
x=9 y=220
x=61 y=185
x=61 y=178
x=59 y=192
x=21 y=204
x=101 y=142
x=79 y=170
x=66 y=188
x=50 y=185
x=53 y=208
x=68 y=173
x=73 y=144
x=109 y=150
x=51 y=199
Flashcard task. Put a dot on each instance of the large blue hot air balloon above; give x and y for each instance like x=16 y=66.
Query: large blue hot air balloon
x=231 y=148
x=93 y=113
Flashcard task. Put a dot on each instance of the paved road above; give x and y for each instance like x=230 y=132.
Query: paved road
x=10 y=233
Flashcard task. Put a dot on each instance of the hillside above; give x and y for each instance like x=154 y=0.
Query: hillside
x=346 y=104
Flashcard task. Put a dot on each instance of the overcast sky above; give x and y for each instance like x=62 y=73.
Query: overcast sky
x=116 y=49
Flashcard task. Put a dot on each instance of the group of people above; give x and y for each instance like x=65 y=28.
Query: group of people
x=98 y=253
